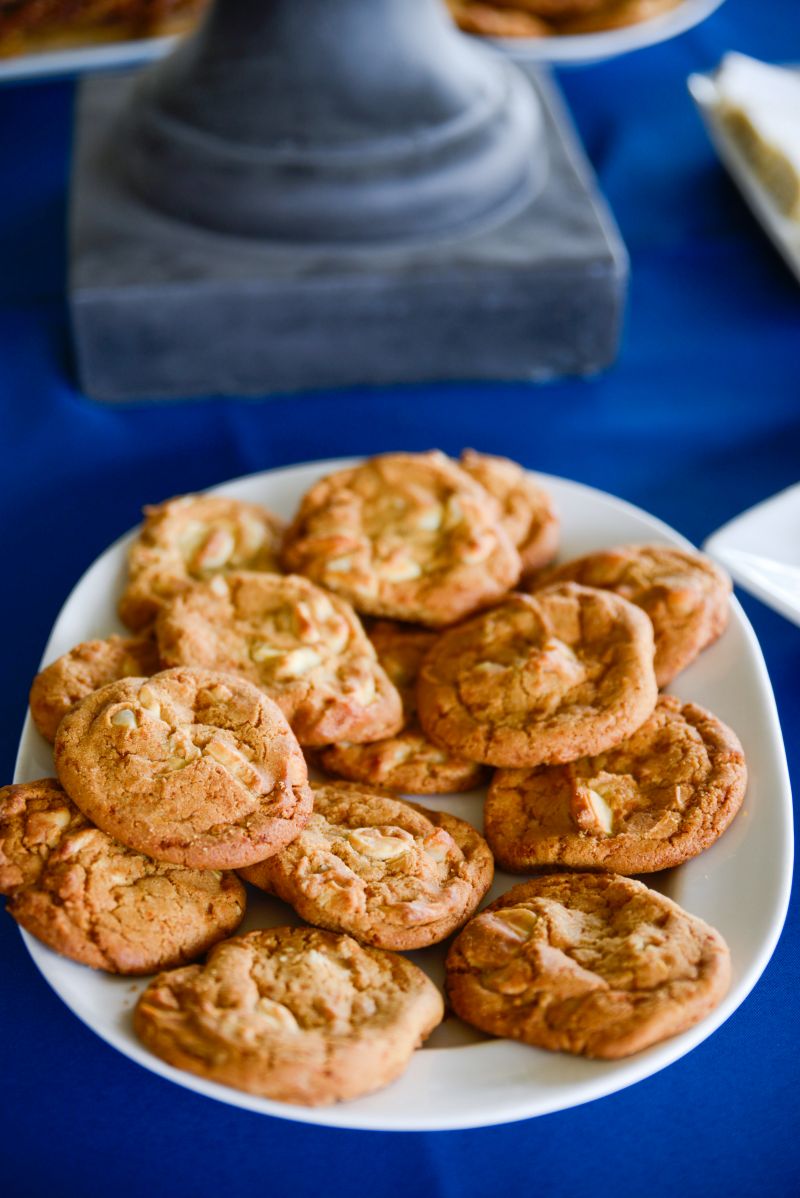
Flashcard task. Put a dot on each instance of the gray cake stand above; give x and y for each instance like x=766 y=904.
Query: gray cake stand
x=327 y=192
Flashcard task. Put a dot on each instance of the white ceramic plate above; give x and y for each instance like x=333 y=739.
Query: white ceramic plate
x=761 y=549
x=784 y=233
x=584 y=48
x=462 y=1079
x=80 y=60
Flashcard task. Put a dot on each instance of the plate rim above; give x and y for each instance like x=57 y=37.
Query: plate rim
x=626 y=1072
x=716 y=545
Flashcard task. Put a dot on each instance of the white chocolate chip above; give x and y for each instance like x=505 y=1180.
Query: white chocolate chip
x=233 y=761
x=430 y=520
x=518 y=921
x=339 y=565
x=81 y=840
x=297 y=662
x=454 y=513
x=364 y=692
x=263 y=651
x=124 y=718
x=219 y=585
x=381 y=844
x=603 y=813
x=276 y=1016
x=400 y=569
x=148 y=702
x=217 y=550
x=252 y=534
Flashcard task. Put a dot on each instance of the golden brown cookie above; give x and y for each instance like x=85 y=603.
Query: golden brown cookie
x=392 y=874
x=475 y=16
x=593 y=964
x=293 y=1014
x=189 y=766
x=406 y=535
x=655 y=800
x=406 y=762
x=91 y=899
x=70 y=678
x=192 y=538
x=683 y=592
x=527 y=511
x=306 y=649
x=540 y=678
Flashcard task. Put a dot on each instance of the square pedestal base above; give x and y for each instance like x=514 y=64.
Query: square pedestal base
x=163 y=310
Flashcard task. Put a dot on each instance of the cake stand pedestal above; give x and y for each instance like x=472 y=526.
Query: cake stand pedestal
x=328 y=192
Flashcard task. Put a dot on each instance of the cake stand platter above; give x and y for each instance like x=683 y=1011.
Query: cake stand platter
x=327 y=192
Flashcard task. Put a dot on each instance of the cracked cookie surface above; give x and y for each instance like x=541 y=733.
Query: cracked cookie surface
x=408 y=761
x=685 y=595
x=411 y=536
x=593 y=964
x=304 y=648
x=390 y=873
x=292 y=1014
x=655 y=800
x=190 y=766
x=88 y=666
x=540 y=678
x=190 y=539
x=91 y=899
x=526 y=509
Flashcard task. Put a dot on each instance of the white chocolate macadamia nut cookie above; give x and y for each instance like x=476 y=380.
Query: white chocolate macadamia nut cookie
x=293 y=1014
x=540 y=678
x=189 y=766
x=90 y=898
x=192 y=538
x=659 y=797
x=586 y=963
x=306 y=649
x=390 y=873
x=405 y=535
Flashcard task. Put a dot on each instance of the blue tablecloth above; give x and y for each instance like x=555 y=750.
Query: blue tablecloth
x=699 y=419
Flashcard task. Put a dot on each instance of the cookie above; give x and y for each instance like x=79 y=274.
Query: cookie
x=540 y=678
x=655 y=800
x=91 y=899
x=392 y=874
x=406 y=535
x=526 y=510
x=292 y=1014
x=484 y=19
x=189 y=766
x=593 y=964
x=70 y=678
x=192 y=538
x=306 y=649
x=407 y=762
x=684 y=593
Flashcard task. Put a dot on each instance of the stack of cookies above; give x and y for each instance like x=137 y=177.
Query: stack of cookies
x=553 y=18
x=182 y=753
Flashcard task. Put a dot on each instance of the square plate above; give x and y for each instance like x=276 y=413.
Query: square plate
x=761 y=549
x=784 y=233
x=460 y=1078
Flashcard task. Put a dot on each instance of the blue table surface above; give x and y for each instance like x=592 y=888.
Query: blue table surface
x=699 y=419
